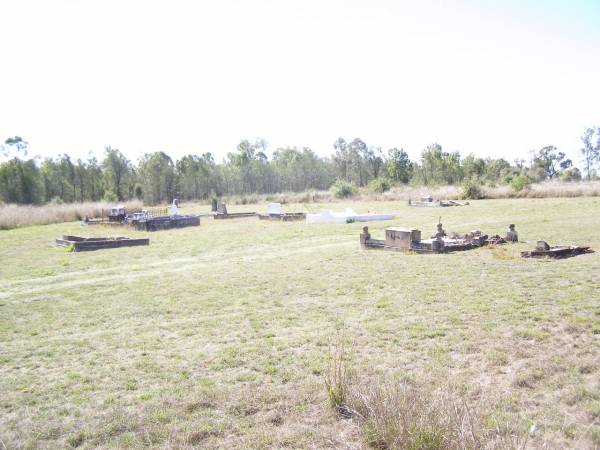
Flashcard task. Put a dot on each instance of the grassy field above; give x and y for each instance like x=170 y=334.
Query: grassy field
x=217 y=336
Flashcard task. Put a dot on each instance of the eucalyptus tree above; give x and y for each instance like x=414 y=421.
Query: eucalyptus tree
x=117 y=172
x=590 y=150
x=398 y=166
x=157 y=178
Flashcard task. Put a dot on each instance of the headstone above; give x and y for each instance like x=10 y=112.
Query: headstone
x=222 y=209
x=437 y=245
x=511 y=234
x=401 y=238
x=275 y=209
x=364 y=237
x=542 y=246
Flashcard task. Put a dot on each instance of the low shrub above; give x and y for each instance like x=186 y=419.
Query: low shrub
x=572 y=174
x=379 y=185
x=343 y=189
x=520 y=183
x=472 y=190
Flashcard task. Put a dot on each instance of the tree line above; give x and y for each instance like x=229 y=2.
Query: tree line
x=157 y=178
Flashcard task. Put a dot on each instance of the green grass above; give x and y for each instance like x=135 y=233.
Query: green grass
x=217 y=336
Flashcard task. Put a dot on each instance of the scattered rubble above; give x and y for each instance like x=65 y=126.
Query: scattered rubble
x=222 y=213
x=275 y=212
x=348 y=216
x=81 y=244
x=428 y=201
x=543 y=250
x=409 y=239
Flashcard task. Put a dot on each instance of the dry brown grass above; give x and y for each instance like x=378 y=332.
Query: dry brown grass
x=551 y=189
x=403 y=414
x=14 y=216
x=562 y=189
x=400 y=412
x=216 y=336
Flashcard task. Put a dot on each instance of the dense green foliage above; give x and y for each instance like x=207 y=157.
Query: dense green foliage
x=156 y=178
x=342 y=188
x=471 y=190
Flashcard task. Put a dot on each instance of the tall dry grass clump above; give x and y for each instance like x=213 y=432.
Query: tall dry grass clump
x=338 y=374
x=398 y=414
x=13 y=216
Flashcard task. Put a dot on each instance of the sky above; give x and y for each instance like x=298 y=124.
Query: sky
x=492 y=78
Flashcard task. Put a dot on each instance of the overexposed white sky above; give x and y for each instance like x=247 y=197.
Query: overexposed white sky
x=494 y=78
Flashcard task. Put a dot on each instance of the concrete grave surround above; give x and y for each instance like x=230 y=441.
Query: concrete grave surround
x=275 y=212
x=349 y=215
x=409 y=239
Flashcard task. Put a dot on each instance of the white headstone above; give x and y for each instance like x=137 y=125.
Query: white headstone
x=274 y=208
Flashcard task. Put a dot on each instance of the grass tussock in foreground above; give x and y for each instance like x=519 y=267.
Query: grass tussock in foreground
x=14 y=216
x=399 y=414
x=394 y=413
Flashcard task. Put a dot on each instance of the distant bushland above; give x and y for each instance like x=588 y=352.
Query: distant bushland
x=354 y=168
x=13 y=215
